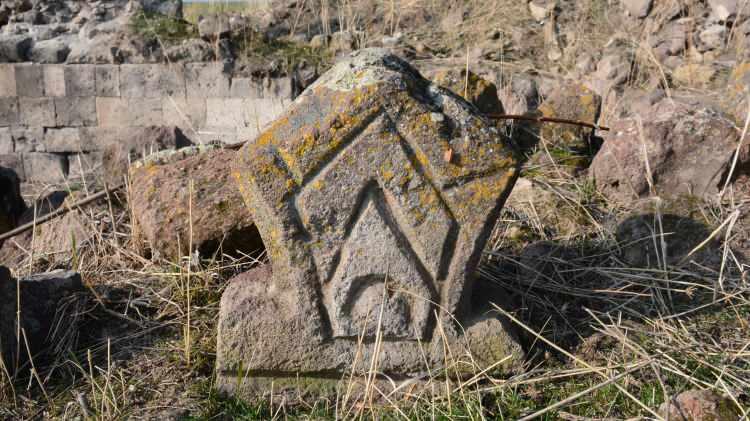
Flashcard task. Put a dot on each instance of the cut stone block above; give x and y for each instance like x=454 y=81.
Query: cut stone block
x=85 y=163
x=50 y=51
x=36 y=112
x=206 y=80
x=46 y=300
x=140 y=80
x=172 y=81
x=111 y=112
x=123 y=112
x=225 y=112
x=6 y=141
x=190 y=115
x=54 y=80
x=97 y=138
x=277 y=88
x=80 y=80
x=374 y=194
x=66 y=140
x=15 y=163
x=226 y=135
x=29 y=80
x=28 y=139
x=8 y=111
x=107 y=80
x=160 y=202
x=75 y=111
x=7 y=80
x=144 y=112
x=260 y=112
x=45 y=167
x=246 y=88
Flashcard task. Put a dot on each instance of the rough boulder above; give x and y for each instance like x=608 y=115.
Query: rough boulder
x=680 y=148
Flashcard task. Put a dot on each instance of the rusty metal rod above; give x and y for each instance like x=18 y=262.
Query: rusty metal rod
x=545 y=119
x=62 y=210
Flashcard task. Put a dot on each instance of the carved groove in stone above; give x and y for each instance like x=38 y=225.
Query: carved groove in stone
x=332 y=220
x=449 y=245
x=356 y=292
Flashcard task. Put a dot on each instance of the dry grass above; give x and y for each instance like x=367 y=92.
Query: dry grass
x=606 y=339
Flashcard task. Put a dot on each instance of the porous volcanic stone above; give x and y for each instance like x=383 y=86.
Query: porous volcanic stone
x=700 y=405
x=572 y=101
x=161 y=207
x=689 y=147
x=475 y=89
x=374 y=195
x=44 y=298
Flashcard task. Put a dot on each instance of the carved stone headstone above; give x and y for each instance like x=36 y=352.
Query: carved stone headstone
x=374 y=196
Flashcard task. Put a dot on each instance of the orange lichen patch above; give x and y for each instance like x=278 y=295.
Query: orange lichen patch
x=385 y=172
x=481 y=193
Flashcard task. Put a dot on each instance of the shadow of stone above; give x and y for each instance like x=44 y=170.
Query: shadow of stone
x=553 y=286
x=96 y=327
x=650 y=241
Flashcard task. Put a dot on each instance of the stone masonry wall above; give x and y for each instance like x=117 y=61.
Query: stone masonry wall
x=56 y=119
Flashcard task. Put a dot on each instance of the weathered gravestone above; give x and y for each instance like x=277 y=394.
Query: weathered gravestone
x=374 y=196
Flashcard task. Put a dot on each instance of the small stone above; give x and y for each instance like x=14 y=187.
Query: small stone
x=700 y=405
x=694 y=74
x=45 y=167
x=50 y=51
x=319 y=41
x=712 y=37
x=539 y=9
x=15 y=48
x=213 y=26
x=572 y=101
x=191 y=51
x=479 y=91
x=342 y=42
x=392 y=41
x=612 y=72
x=169 y=8
x=637 y=8
x=724 y=10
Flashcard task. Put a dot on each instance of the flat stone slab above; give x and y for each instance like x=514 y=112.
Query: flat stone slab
x=374 y=195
